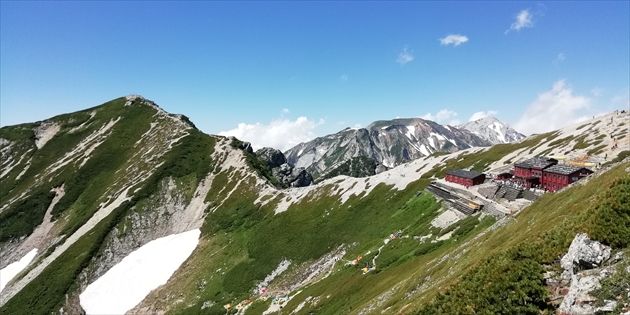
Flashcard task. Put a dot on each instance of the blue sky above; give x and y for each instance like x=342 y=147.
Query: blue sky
x=310 y=68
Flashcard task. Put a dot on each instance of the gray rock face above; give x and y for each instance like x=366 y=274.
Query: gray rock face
x=579 y=300
x=273 y=157
x=580 y=266
x=388 y=142
x=584 y=253
x=492 y=130
x=286 y=174
x=300 y=177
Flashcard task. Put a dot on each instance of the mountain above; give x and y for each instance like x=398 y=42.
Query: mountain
x=492 y=130
x=385 y=143
x=124 y=208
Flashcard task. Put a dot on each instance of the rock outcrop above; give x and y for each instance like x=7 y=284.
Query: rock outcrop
x=584 y=253
x=583 y=271
x=273 y=157
x=285 y=174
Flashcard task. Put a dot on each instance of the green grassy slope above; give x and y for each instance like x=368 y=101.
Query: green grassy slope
x=477 y=265
x=190 y=157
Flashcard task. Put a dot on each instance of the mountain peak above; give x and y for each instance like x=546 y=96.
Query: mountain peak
x=382 y=144
x=493 y=130
x=132 y=99
x=490 y=118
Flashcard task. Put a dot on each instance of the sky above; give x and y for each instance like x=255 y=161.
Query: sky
x=279 y=73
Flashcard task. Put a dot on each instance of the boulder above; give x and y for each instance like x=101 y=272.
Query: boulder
x=584 y=253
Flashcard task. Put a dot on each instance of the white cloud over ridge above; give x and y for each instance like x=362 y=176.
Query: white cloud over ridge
x=553 y=110
x=453 y=39
x=443 y=116
x=405 y=56
x=280 y=133
x=482 y=114
x=524 y=19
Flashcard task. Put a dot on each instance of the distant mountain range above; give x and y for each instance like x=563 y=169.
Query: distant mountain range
x=387 y=143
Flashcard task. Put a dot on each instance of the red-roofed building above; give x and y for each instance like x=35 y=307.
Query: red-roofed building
x=464 y=177
x=559 y=176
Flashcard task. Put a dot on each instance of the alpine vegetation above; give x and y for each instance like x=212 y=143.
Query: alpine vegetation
x=125 y=208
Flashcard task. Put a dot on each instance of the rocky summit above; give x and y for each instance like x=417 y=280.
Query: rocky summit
x=492 y=130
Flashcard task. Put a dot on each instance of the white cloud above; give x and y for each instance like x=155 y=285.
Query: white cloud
x=597 y=91
x=281 y=133
x=622 y=101
x=482 y=114
x=444 y=116
x=553 y=109
x=560 y=57
x=285 y=110
x=405 y=56
x=524 y=19
x=453 y=39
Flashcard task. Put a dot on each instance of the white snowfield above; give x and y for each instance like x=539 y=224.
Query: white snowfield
x=127 y=283
x=7 y=273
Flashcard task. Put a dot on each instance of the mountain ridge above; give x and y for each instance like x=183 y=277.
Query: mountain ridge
x=115 y=178
x=388 y=143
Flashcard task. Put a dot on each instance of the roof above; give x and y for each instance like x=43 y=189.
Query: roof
x=536 y=162
x=564 y=169
x=464 y=173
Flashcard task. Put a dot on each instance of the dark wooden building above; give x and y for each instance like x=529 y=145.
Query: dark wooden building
x=464 y=177
x=559 y=176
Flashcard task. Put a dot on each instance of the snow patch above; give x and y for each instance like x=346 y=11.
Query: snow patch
x=411 y=131
x=7 y=273
x=437 y=135
x=424 y=150
x=498 y=128
x=143 y=270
